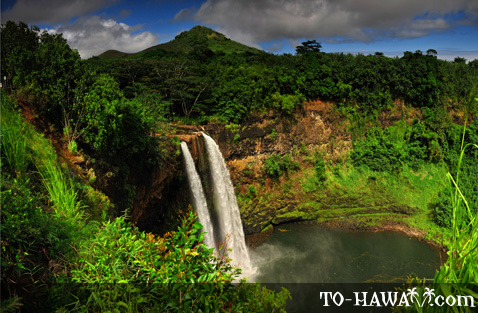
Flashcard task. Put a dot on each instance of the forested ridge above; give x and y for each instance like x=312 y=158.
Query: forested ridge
x=65 y=235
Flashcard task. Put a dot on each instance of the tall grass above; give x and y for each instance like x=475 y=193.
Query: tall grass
x=33 y=239
x=60 y=187
x=459 y=274
x=13 y=138
x=22 y=145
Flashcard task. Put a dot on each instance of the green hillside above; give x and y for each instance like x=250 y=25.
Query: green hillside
x=113 y=54
x=198 y=38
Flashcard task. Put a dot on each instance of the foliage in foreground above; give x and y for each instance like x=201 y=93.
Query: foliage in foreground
x=168 y=274
x=53 y=259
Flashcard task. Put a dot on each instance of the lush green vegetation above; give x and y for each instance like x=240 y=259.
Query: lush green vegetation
x=67 y=246
x=212 y=82
x=458 y=276
x=62 y=246
x=411 y=147
x=89 y=108
x=192 y=77
x=53 y=258
x=276 y=165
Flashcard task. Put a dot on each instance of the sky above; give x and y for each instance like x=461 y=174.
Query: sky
x=277 y=26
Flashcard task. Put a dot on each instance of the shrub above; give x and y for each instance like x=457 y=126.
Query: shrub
x=273 y=133
x=251 y=192
x=319 y=167
x=286 y=104
x=377 y=153
x=23 y=227
x=276 y=165
x=73 y=146
x=458 y=275
x=272 y=165
x=115 y=127
x=387 y=150
x=172 y=273
x=443 y=211
x=34 y=243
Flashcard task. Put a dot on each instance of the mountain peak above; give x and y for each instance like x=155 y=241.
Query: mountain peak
x=200 y=36
x=203 y=30
x=200 y=33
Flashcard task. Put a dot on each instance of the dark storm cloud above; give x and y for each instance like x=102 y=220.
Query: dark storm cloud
x=252 y=21
x=52 y=11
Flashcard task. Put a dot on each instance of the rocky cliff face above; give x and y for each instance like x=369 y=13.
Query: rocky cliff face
x=163 y=192
x=156 y=198
x=245 y=147
x=268 y=201
x=267 y=134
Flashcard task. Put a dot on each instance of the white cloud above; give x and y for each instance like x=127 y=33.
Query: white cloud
x=94 y=35
x=422 y=27
x=252 y=21
x=184 y=15
x=52 y=11
x=450 y=55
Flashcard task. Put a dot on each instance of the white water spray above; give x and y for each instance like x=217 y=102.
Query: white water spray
x=225 y=204
x=199 y=200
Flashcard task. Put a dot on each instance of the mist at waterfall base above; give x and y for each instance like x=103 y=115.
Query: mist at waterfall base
x=309 y=253
x=303 y=257
x=309 y=259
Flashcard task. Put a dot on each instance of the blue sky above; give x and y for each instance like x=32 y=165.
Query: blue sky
x=277 y=26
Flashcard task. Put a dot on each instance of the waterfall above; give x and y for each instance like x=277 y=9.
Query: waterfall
x=199 y=200
x=226 y=207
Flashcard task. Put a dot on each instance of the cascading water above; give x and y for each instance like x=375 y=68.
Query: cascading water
x=225 y=204
x=199 y=200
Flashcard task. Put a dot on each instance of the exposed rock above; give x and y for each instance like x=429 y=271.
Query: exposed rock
x=245 y=147
x=162 y=192
x=77 y=159
x=154 y=189
x=194 y=143
x=255 y=239
x=253 y=132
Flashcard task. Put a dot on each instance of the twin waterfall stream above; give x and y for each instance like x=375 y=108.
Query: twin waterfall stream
x=299 y=253
x=228 y=226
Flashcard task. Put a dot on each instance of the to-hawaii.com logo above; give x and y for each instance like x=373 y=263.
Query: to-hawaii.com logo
x=409 y=298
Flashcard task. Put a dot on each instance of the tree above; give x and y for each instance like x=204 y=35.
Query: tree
x=432 y=52
x=460 y=60
x=308 y=46
x=41 y=65
x=185 y=84
x=58 y=71
x=130 y=73
x=473 y=64
x=18 y=42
